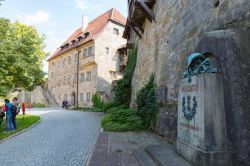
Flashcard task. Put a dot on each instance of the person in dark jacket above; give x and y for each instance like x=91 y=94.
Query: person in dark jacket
x=16 y=105
x=8 y=110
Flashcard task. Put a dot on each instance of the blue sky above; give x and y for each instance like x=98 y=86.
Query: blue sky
x=57 y=19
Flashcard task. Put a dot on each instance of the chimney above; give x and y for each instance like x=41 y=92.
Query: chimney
x=84 y=22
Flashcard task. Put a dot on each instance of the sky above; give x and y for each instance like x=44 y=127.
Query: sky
x=57 y=19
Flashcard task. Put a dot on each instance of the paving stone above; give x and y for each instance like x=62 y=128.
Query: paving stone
x=143 y=158
x=165 y=155
x=63 y=138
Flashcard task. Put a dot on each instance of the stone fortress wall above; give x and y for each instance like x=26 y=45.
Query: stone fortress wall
x=218 y=27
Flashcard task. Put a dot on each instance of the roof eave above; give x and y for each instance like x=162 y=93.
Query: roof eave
x=78 y=45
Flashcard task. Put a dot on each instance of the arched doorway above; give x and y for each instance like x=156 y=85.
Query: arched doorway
x=73 y=99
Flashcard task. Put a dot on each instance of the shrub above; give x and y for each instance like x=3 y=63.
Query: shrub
x=147 y=106
x=113 y=109
x=123 y=88
x=108 y=105
x=95 y=110
x=122 y=120
x=97 y=101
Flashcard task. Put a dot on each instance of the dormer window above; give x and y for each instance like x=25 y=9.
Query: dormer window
x=116 y=31
x=79 y=38
x=73 y=41
x=86 y=34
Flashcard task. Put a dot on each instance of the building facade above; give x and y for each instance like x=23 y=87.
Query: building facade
x=166 y=32
x=88 y=61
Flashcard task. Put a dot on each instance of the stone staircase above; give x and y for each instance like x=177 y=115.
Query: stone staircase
x=51 y=101
x=159 y=155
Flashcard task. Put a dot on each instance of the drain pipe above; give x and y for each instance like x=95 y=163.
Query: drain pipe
x=77 y=74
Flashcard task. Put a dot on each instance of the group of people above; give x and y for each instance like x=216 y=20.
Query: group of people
x=10 y=110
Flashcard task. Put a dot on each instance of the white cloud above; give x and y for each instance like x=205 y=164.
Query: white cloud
x=81 y=4
x=40 y=17
x=84 y=5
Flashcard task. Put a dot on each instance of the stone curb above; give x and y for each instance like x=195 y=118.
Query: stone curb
x=24 y=130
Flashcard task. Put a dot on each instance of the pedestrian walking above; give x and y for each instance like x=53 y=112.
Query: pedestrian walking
x=8 y=110
x=15 y=111
x=29 y=106
x=2 y=115
x=23 y=108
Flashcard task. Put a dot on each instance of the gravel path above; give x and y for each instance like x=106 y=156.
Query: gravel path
x=61 y=138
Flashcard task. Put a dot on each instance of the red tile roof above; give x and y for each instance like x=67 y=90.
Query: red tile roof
x=94 y=28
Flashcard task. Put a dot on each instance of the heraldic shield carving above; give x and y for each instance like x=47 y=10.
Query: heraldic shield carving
x=188 y=109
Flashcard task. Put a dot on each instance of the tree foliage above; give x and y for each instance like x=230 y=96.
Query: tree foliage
x=21 y=56
x=147 y=106
x=123 y=88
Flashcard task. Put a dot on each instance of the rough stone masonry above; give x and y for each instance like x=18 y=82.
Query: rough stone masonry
x=220 y=28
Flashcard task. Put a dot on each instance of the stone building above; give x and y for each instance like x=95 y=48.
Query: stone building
x=88 y=61
x=167 y=31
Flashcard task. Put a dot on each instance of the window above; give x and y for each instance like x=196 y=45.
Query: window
x=88 y=97
x=58 y=63
x=64 y=80
x=90 y=51
x=107 y=50
x=85 y=52
x=88 y=78
x=69 y=79
x=52 y=74
x=81 y=97
x=113 y=74
x=82 y=77
x=53 y=63
x=64 y=62
x=75 y=59
x=74 y=79
x=116 y=31
x=69 y=60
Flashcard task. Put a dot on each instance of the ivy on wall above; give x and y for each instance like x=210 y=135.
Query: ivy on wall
x=123 y=88
x=147 y=106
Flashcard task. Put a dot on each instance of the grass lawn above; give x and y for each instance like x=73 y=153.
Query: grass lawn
x=22 y=123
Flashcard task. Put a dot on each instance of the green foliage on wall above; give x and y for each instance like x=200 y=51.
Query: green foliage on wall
x=147 y=106
x=97 y=101
x=123 y=88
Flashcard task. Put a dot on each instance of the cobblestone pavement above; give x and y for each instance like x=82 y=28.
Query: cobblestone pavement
x=62 y=138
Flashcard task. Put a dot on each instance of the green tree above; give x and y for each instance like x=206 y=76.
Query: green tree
x=21 y=56
x=97 y=101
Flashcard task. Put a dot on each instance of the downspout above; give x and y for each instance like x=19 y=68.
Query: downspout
x=77 y=75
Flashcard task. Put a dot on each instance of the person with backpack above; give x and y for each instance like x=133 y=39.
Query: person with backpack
x=8 y=110
x=15 y=111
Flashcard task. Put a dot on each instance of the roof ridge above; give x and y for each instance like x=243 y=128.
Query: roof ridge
x=100 y=16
